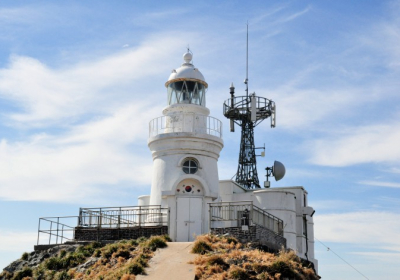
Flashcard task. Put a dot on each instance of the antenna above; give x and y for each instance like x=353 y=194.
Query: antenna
x=247 y=60
x=247 y=112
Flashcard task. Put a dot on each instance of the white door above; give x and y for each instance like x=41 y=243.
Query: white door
x=188 y=218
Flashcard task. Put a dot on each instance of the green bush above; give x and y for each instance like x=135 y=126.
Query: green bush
x=135 y=268
x=25 y=272
x=156 y=242
x=201 y=247
x=53 y=263
x=108 y=250
x=72 y=260
x=88 y=250
x=166 y=238
x=62 y=253
x=62 y=275
x=24 y=256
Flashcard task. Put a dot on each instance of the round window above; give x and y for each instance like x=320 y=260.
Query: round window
x=190 y=166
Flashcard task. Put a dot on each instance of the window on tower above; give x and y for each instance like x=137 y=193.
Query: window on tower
x=190 y=166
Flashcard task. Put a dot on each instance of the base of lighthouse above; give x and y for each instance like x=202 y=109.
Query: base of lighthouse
x=185 y=180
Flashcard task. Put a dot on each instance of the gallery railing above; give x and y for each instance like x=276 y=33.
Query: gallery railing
x=57 y=230
x=243 y=213
x=186 y=123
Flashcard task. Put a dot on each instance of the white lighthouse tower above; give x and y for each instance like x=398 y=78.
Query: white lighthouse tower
x=185 y=143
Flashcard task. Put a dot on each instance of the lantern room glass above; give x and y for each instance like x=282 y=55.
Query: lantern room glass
x=187 y=92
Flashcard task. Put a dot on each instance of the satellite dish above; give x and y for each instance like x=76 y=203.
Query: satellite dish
x=278 y=170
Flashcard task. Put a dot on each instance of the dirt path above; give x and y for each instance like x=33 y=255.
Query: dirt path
x=171 y=263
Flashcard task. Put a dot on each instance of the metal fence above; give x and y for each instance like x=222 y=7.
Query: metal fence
x=120 y=217
x=244 y=213
x=57 y=230
x=186 y=123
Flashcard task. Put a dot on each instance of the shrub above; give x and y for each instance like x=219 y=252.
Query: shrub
x=72 y=260
x=25 y=272
x=53 y=263
x=24 y=256
x=166 y=238
x=62 y=275
x=217 y=260
x=135 y=268
x=201 y=247
x=108 y=250
x=156 y=242
x=62 y=253
x=88 y=250
x=122 y=252
x=237 y=273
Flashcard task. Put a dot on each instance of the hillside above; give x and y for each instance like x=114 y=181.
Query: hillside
x=219 y=258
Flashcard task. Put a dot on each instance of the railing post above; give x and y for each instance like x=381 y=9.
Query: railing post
x=38 y=232
x=119 y=218
x=51 y=227
x=58 y=223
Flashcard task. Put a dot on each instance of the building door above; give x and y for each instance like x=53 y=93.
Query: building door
x=188 y=218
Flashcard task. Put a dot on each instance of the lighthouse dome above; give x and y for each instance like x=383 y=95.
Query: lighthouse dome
x=186 y=84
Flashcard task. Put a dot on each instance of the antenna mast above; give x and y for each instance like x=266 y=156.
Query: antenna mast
x=247 y=112
x=247 y=61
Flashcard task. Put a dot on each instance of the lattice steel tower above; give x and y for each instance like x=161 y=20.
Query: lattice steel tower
x=247 y=112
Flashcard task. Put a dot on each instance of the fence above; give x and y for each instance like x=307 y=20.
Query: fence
x=243 y=213
x=56 y=230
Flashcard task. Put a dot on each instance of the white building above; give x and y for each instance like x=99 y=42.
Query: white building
x=185 y=143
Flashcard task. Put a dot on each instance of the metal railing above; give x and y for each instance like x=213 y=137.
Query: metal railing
x=186 y=123
x=57 y=230
x=119 y=217
x=243 y=213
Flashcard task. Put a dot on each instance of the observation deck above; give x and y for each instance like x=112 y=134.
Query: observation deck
x=192 y=123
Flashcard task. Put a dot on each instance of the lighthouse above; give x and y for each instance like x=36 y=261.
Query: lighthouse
x=185 y=143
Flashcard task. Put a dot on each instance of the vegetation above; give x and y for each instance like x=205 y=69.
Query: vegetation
x=226 y=258
x=121 y=260
x=218 y=257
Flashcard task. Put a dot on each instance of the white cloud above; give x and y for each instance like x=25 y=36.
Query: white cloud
x=370 y=229
x=47 y=95
x=68 y=166
x=365 y=144
x=380 y=184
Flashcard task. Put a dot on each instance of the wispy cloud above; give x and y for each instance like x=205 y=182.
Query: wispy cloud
x=46 y=95
x=360 y=228
x=294 y=16
x=365 y=144
x=61 y=167
x=380 y=184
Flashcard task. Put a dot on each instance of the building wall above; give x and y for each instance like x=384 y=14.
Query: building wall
x=287 y=203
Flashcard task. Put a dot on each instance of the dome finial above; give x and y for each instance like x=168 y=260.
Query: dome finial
x=187 y=57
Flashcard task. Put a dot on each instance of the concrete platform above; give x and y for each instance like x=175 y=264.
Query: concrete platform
x=171 y=263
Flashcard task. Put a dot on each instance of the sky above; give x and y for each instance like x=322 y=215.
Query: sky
x=81 y=80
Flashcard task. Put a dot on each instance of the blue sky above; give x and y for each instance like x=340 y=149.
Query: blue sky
x=80 y=81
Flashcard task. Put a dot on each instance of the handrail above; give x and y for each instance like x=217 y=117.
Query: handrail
x=63 y=228
x=192 y=123
x=237 y=211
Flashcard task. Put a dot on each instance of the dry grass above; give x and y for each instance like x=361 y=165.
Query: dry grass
x=122 y=260
x=226 y=258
